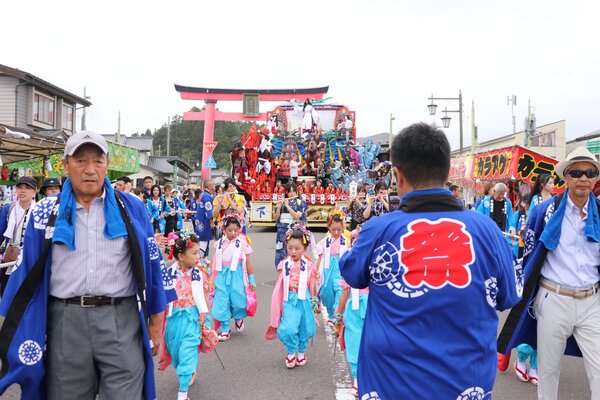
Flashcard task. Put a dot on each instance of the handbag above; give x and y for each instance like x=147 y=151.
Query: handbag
x=251 y=304
x=11 y=254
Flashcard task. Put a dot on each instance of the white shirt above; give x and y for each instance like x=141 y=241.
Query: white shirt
x=574 y=263
x=17 y=223
x=294 y=168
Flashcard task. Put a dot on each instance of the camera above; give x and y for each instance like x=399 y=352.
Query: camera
x=393 y=201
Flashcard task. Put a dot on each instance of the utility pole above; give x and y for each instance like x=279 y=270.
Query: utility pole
x=390 y=147
x=83 y=115
x=391 y=135
x=473 y=128
x=530 y=128
x=512 y=100
x=168 y=136
x=118 y=136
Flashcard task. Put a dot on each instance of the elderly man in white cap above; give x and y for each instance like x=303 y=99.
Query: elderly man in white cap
x=86 y=299
x=562 y=259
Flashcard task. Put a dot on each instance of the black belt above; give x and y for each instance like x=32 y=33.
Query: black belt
x=92 y=301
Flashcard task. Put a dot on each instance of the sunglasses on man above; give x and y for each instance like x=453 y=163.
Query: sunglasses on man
x=577 y=173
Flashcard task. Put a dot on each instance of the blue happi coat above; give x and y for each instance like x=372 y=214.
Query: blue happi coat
x=25 y=364
x=179 y=205
x=204 y=213
x=436 y=274
x=157 y=212
x=520 y=326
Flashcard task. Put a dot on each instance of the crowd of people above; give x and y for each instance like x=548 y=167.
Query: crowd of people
x=412 y=295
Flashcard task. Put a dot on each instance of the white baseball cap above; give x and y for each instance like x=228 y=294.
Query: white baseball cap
x=85 y=137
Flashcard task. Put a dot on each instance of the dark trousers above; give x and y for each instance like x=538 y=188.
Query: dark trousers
x=3 y=281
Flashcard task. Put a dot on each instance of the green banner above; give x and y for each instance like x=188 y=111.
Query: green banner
x=123 y=161
x=35 y=166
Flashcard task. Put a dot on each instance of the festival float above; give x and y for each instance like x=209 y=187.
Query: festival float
x=323 y=138
x=322 y=135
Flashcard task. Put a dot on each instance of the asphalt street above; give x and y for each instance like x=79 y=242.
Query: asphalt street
x=254 y=367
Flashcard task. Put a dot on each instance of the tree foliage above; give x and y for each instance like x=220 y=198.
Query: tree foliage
x=187 y=136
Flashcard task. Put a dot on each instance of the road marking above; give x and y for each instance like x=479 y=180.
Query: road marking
x=342 y=380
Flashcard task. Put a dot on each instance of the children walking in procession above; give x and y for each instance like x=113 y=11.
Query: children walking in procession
x=292 y=315
x=187 y=314
x=232 y=276
x=350 y=318
x=330 y=249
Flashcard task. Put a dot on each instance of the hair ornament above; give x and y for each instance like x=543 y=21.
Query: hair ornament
x=231 y=216
x=335 y=212
x=302 y=229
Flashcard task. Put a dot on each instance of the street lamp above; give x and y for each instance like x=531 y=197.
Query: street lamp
x=392 y=118
x=83 y=116
x=446 y=119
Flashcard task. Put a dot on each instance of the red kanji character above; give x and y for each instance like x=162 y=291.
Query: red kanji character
x=437 y=253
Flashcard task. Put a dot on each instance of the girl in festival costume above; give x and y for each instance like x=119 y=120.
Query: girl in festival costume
x=158 y=209
x=289 y=210
x=350 y=318
x=542 y=190
x=330 y=250
x=232 y=276
x=187 y=315
x=292 y=316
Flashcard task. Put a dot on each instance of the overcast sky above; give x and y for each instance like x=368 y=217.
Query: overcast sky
x=378 y=57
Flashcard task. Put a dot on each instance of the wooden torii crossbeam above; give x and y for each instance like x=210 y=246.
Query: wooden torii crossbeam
x=209 y=115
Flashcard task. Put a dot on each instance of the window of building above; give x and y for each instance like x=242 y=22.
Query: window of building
x=43 y=109
x=547 y=139
x=67 y=117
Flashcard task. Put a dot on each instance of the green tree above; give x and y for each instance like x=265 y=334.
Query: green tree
x=187 y=137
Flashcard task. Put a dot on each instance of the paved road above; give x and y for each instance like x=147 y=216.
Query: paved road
x=254 y=367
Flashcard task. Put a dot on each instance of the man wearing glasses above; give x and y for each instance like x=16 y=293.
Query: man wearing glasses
x=562 y=259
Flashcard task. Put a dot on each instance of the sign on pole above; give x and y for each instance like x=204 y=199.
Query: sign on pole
x=210 y=148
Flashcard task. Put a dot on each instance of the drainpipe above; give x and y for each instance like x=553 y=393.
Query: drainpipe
x=17 y=96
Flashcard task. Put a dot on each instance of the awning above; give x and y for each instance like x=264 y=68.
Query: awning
x=18 y=144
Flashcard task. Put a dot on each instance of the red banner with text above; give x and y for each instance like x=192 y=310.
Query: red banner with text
x=516 y=163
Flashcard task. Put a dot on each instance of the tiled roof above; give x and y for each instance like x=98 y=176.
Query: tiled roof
x=38 y=82
x=381 y=138
x=165 y=164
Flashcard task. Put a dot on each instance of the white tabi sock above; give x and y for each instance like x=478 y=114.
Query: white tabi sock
x=182 y=395
x=300 y=355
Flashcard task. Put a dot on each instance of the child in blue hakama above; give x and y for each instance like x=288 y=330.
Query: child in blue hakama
x=330 y=249
x=186 y=314
x=291 y=305
x=232 y=275
x=352 y=310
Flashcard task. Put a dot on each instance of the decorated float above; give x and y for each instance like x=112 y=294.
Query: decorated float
x=322 y=137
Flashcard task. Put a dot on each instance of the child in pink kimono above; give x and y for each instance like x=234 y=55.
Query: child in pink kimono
x=293 y=298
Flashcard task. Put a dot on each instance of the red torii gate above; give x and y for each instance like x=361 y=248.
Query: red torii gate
x=209 y=115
